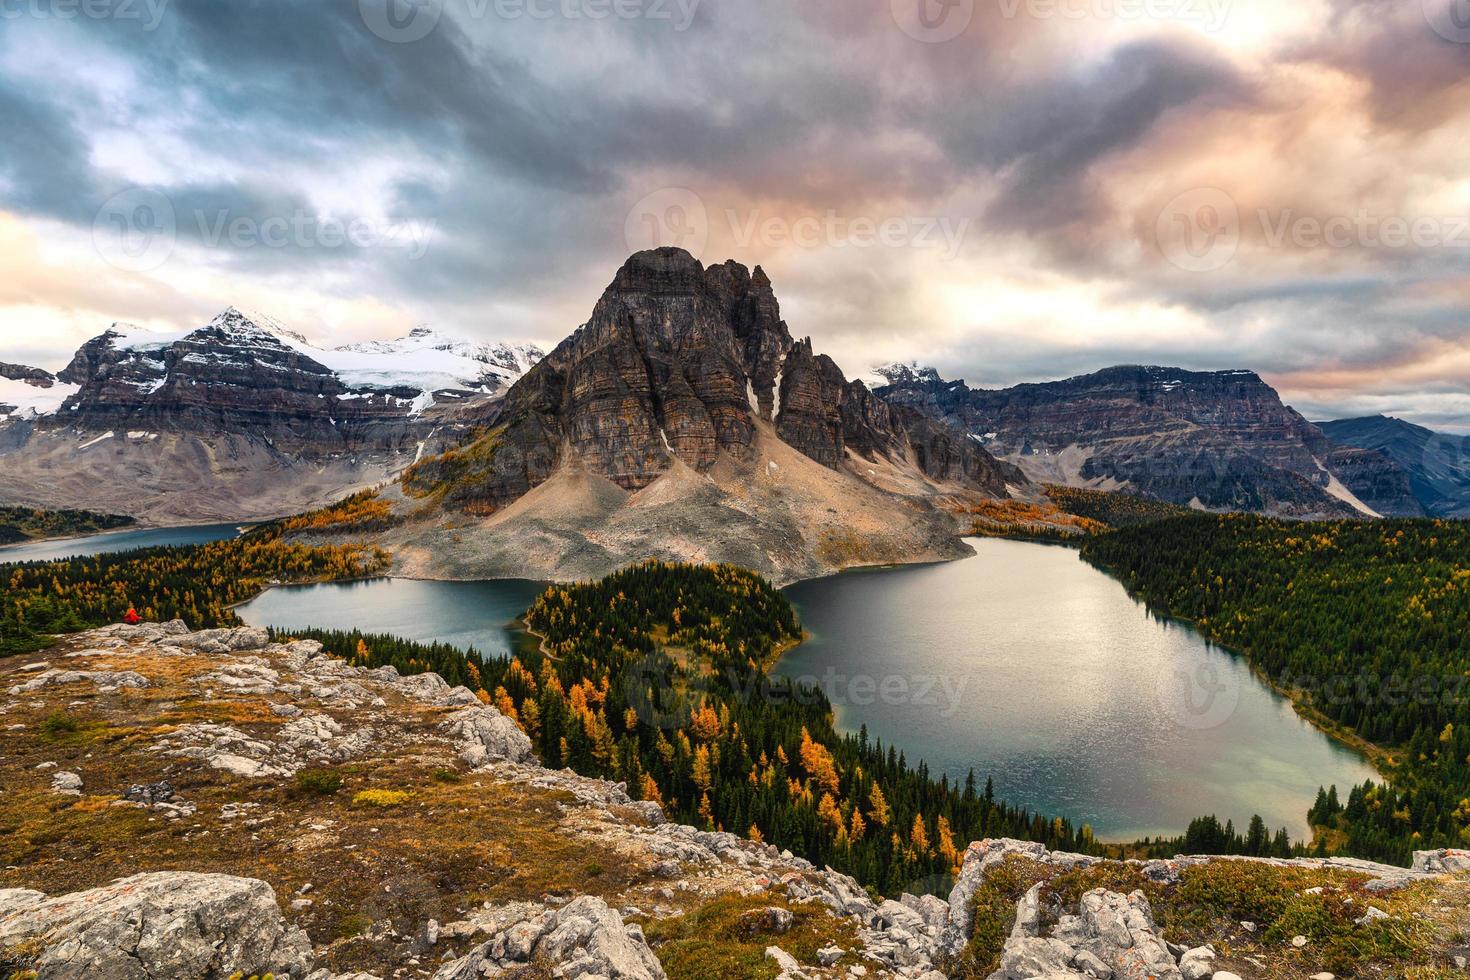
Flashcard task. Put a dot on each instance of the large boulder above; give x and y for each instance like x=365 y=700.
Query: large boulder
x=1442 y=861
x=584 y=938
x=107 y=681
x=155 y=926
x=1125 y=937
x=236 y=640
x=484 y=735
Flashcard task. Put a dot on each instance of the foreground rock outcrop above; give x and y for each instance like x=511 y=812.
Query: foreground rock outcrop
x=1105 y=934
x=450 y=851
x=585 y=938
x=153 y=926
x=254 y=806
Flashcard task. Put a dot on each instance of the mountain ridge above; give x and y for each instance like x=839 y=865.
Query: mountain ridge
x=1219 y=440
x=1438 y=463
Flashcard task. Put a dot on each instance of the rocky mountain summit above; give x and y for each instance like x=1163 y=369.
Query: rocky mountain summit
x=678 y=365
x=1218 y=440
x=238 y=419
x=217 y=804
x=684 y=421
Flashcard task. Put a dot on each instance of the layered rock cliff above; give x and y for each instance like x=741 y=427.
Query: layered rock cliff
x=679 y=364
x=684 y=421
x=1219 y=440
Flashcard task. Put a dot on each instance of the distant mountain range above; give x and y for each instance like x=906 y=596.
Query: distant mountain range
x=1214 y=440
x=238 y=419
x=683 y=420
x=1438 y=464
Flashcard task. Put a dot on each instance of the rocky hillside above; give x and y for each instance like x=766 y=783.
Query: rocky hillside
x=1438 y=463
x=1217 y=440
x=239 y=419
x=683 y=421
x=210 y=805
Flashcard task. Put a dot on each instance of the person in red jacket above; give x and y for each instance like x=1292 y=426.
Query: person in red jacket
x=132 y=618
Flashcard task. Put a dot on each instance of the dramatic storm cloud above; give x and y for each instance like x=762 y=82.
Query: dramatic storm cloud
x=1009 y=189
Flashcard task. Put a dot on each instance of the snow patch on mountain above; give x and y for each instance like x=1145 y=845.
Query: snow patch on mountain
x=429 y=361
x=425 y=361
x=22 y=400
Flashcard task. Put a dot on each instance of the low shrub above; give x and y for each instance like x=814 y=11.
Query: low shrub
x=318 y=782
x=382 y=797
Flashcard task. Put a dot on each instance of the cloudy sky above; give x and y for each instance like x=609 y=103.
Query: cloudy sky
x=1008 y=189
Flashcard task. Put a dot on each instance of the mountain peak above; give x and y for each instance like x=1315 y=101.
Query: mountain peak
x=238 y=322
x=911 y=373
x=660 y=271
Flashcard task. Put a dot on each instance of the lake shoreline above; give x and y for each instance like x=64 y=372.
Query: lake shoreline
x=1015 y=731
x=1377 y=756
x=104 y=537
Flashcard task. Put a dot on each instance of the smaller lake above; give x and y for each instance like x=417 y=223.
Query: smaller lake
x=468 y=615
x=57 y=549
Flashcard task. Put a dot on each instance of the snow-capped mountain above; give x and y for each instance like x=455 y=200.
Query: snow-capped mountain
x=425 y=361
x=235 y=401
